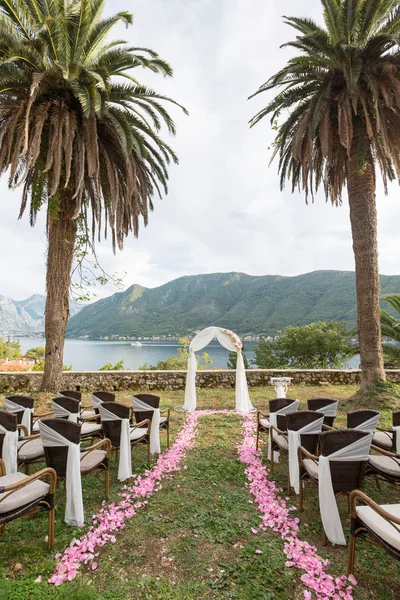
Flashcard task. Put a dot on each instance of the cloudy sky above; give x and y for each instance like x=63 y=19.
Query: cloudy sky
x=224 y=211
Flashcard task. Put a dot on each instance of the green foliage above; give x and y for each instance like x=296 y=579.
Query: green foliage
x=36 y=353
x=40 y=367
x=119 y=366
x=340 y=89
x=390 y=327
x=232 y=359
x=322 y=345
x=243 y=303
x=179 y=361
x=9 y=349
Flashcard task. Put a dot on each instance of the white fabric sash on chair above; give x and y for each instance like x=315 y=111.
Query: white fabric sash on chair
x=369 y=425
x=74 y=504
x=26 y=417
x=60 y=412
x=358 y=451
x=329 y=410
x=286 y=410
x=10 y=450
x=294 y=438
x=96 y=402
x=139 y=405
x=125 y=450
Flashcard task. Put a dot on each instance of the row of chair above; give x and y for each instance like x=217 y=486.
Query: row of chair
x=58 y=441
x=317 y=451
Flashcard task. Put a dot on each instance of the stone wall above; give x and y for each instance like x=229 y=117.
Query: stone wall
x=175 y=380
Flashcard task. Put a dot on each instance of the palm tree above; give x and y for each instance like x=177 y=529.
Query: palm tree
x=391 y=329
x=79 y=133
x=339 y=99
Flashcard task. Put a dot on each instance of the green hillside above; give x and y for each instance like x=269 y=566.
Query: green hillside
x=243 y=303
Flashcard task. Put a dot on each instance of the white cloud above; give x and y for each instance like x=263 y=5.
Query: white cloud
x=225 y=211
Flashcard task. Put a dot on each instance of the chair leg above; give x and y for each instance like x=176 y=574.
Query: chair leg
x=2 y=529
x=301 y=488
x=271 y=462
x=26 y=468
x=168 y=440
x=50 y=535
x=352 y=553
x=377 y=482
x=107 y=482
x=148 y=455
x=258 y=438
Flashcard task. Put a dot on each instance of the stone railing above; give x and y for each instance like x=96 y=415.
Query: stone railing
x=175 y=380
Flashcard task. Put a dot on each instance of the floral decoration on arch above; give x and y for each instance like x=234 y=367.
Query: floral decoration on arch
x=235 y=339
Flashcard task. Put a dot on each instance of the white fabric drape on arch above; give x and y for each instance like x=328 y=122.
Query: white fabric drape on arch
x=231 y=342
x=74 y=502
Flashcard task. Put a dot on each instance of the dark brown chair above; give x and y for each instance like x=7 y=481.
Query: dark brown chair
x=94 y=459
x=102 y=397
x=318 y=403
x=140 y=433
x=22 y=495
x=293 y=421
x=77 y=395
x=91 y=428
x=27 y=402
x=153 y=401
x=30 y=449
x=381 y=524
x=346 y=475
x=356 y=418
x=263 y=423
x=386 y=438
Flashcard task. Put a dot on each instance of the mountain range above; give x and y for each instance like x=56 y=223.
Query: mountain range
x=21 y=317
x=249 y=305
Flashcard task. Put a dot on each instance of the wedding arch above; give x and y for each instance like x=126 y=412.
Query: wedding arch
x=230 y=341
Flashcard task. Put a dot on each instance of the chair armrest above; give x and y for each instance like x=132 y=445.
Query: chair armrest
x=384 y=452
x=278 y=431
x=261 y=414
x=167 y=410
x=301 y=451
x=89 y=418
x=47 y=414
x=105 y=442
x=142 y=424
x=48 y=472
x=84 y=406
x=2 y=468
x=359 y=495
x=384 y=429
x=23 y=429
x=28 y=438
x=328 y=428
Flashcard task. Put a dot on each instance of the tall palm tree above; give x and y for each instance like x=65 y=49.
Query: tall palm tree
x=79 y=133
x=391 y=329
x=339 y=101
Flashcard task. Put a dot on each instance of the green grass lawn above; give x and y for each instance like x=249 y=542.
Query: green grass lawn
x=194 y=539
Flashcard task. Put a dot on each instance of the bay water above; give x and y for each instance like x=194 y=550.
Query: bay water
x=90 y=355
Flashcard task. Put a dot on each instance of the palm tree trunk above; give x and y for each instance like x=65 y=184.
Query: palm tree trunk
x=61 y=242
x=362 y=202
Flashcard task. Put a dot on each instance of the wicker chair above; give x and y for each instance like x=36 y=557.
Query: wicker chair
x=90 y=428
x=357 y=417
x=153 y=401
x=94 y=459
x=386 y=438
x=86 y=411
x=379 y=523
x=30 y=449
x=28 y=402
x=102 y=397
x=22 y=495
x=140 y=433
x=318 y=403
x=346 y=476
x=384 y=465
x=293 y=421
x=263 y=423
